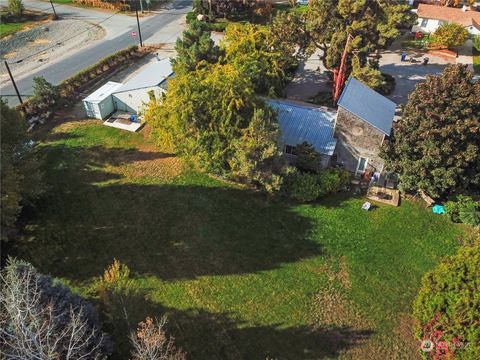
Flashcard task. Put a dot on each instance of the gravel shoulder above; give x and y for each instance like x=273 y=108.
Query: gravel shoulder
x=41 y=44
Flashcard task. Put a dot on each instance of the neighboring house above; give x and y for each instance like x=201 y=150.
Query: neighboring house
x=300 y=122
x=430 y=17
x=364 y=121
x=131 y=96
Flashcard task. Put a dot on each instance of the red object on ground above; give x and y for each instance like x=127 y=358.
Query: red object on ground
x=418 y=35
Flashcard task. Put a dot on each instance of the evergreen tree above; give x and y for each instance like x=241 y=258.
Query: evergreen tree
x=436 y=145
x=195 y=46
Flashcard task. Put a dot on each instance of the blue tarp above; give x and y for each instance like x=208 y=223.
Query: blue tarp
x=438 y=209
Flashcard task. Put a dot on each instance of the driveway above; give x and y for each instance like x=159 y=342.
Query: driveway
x=162 y=27
x=310 y=77
x=407 y=75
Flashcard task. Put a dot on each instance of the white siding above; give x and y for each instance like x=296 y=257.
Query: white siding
x=430 y=26
x=134 y=101
x=99 y=109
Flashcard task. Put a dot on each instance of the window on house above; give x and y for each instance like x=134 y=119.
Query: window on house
x=424 y=23
x=290 y=150
x=362 y=165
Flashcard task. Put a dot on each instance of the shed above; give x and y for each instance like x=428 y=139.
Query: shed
x=99 y=104
x=301 y=122
x=136 y=92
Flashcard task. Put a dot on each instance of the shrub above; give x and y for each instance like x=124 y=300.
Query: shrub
x=464 y=209
x=308 y=159
x=450 y=34
x=151 y=342
x=302 y=187
x=448 y=304
x=15 y=7
x=306 y=187
x=476 y=42
x=332 y=180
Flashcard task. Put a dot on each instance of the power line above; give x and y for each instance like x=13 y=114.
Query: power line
x=58 y=43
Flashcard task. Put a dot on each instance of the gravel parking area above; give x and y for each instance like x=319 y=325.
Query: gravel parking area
x=45 y=42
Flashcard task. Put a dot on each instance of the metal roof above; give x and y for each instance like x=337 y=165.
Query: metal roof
x=369 y=105
x=153 y=75
x=299 y=123
x=103 y=92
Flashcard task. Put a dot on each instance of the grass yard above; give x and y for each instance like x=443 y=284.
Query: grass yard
x=476 y=61
x=240 y=275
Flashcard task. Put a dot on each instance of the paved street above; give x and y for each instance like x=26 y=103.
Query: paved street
x=162 y=27
x=310 y=78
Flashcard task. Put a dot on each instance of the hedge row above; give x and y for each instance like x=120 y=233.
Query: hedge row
x=68 y=89
x=121 y=5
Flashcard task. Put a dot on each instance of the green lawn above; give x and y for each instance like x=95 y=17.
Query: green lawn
x=476 y=63
x=240 y=275
x=9 y=25
x=9 y=28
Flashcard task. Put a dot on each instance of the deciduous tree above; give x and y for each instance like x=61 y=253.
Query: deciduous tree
x=151 y=342
x=372 y=24
x=435 y=146
x=42 y=319
x=21 y=178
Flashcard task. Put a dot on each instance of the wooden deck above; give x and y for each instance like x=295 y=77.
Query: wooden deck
x=384 y=195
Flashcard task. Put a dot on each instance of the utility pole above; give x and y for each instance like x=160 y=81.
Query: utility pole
x=339 y=73
x=53 y=8
x=138 y=24
x=13 y=82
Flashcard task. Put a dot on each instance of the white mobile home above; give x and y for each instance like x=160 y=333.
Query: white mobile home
x=131 y=96
x=99 y=104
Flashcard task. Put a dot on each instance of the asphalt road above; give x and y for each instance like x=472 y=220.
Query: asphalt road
x=162 y=27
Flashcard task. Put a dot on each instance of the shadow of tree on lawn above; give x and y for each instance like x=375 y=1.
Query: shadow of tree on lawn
x=167 y=230
x=206 y=335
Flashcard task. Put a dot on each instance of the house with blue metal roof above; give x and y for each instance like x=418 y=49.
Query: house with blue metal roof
x=364 y=121
x=300 y=122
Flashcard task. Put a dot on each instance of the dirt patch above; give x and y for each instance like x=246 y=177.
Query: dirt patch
x=42 y=43
x=149 y=163
x=331 y=307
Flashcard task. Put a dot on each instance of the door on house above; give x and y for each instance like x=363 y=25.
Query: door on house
x=362 y=165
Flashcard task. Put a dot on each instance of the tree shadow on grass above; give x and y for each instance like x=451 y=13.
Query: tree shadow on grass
x=206 y=335
x=166 y=230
